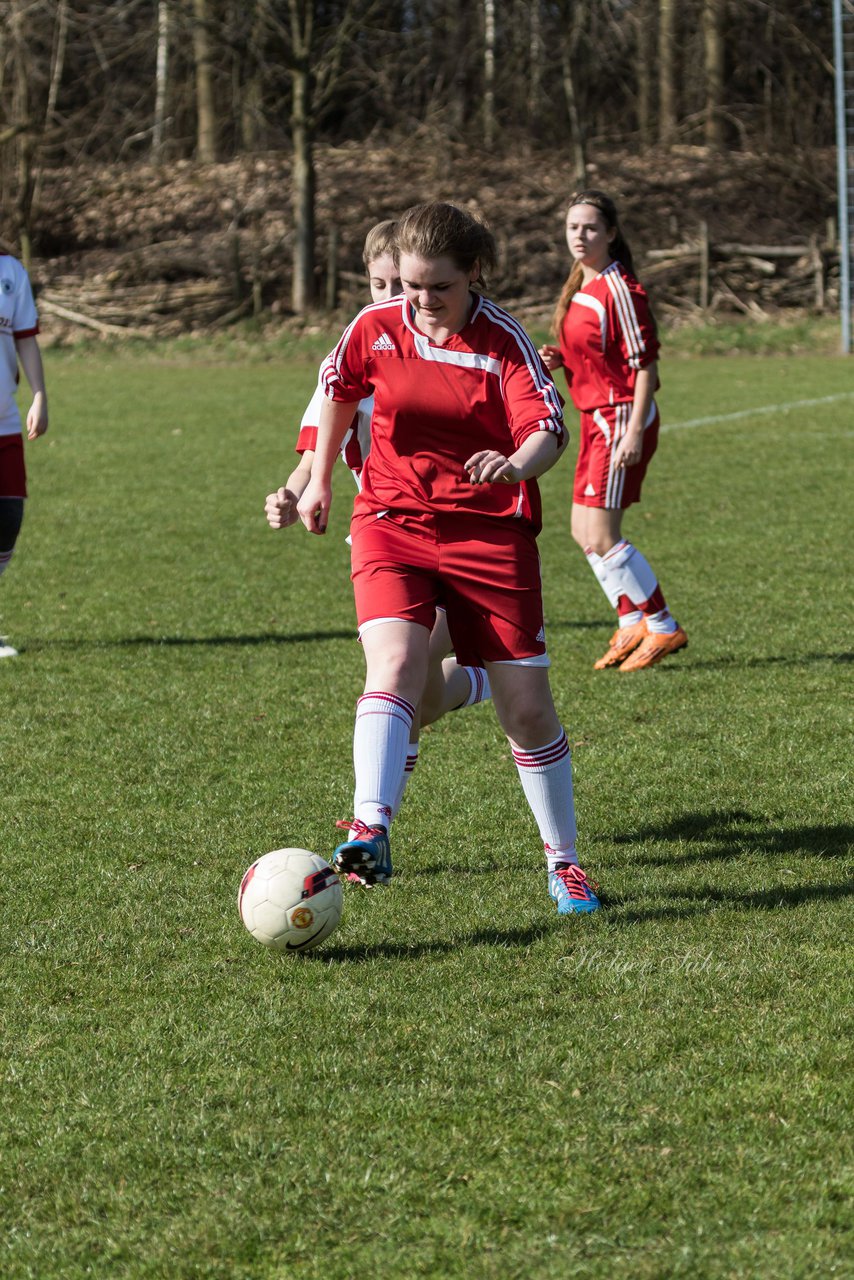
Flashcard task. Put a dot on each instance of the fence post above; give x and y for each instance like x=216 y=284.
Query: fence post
x=704 y=265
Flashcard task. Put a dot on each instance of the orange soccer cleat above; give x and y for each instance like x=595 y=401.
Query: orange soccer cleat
x=656 y=646
x=623 y=641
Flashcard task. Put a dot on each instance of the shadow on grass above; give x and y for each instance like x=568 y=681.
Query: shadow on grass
x=734 y=833
x=772 y=660
x=156 y=642
x=415 y=950
x=704 y=901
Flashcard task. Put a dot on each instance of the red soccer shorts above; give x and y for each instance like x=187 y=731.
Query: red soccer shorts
x=485 y=573
x=597 y=482
x=13 y=475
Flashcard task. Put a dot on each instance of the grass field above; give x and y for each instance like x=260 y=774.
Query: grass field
x=459 y=1084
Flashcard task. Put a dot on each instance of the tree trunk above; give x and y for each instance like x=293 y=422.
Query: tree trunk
x=205 y=110
x=579 y=161
x=489 y=73
x=302 y=137
x=161 y=79
x=646 y=69
x=714 y=16
x=23 y=194
x=666 y=71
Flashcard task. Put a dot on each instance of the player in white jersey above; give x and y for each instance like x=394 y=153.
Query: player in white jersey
x=465 y=419
x=608 y=348
x=449 y=686
x=19 y=325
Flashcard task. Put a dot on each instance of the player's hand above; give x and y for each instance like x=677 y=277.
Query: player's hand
x=490 y=467
x=629 y=451
x=37 y=417
x=281 y=509
x=551 y=357
x=313 y=506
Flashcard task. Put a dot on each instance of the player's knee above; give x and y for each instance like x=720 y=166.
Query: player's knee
x=11 y=516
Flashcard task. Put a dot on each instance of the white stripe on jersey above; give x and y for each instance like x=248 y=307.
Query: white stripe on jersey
x=626 y=311
x=586 y=300
x=464 y=359
x=540 y=378
x=617 y=478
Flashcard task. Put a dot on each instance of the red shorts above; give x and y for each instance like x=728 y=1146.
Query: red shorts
x=13 y=475
x=597 y=482
x=484 y=573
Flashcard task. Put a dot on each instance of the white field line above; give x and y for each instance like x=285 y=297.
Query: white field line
x=763 y=408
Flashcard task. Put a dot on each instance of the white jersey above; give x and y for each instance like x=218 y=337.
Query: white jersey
x=356 y=443
x=18 y=319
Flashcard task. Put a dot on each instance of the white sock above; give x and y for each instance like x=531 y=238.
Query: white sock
x=546 y=777
x=411 y=762
x=380 y=741
x=662 y=623
x=480 y=690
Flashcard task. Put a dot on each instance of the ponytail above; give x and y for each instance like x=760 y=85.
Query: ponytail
x=618 y=249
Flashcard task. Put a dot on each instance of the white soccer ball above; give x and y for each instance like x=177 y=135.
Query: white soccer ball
x=290 y=899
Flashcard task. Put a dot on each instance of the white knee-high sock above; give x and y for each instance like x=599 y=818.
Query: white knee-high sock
x=411 y=762
x=480 y=690
x=546 y=776
x=632 y=587
x=380 y=741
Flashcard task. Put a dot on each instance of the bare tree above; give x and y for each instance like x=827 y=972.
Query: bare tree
x=206 y=130
x=666 y=70
x=714 y=17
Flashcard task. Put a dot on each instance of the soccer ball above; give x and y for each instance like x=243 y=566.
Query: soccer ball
x=290 y=900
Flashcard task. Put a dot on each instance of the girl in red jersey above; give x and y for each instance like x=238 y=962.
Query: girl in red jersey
x=449 y=686
x=19 y=326
x=608 y=347
x=465 y=418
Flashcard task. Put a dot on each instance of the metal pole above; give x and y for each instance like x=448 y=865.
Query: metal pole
x=842 y=182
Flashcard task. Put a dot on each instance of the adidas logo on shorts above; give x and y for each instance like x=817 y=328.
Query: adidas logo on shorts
x=383 y=343
x=590 y=492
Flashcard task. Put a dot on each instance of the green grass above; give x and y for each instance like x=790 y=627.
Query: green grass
x=458 y=1084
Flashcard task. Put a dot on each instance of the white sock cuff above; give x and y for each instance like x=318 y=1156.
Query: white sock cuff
x=542 y=759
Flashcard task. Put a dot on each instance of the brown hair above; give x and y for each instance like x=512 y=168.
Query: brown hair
x=443 y=231
x=379 y=240
x=618 y=249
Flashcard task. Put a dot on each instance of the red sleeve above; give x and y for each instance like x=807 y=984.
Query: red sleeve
x=307 y=440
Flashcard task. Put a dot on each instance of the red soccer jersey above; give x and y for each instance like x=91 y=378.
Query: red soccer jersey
x=434 y=406
x=607 y=335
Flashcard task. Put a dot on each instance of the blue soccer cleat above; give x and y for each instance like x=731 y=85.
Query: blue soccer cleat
x=569 y=887
x=367 y=857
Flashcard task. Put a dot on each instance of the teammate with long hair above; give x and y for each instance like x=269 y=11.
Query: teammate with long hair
x=607 y=344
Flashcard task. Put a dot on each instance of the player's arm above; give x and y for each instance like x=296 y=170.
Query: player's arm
x=31 y=362
x=536 y=455
x=281 y=506
x=336 y=417
x=629 y=450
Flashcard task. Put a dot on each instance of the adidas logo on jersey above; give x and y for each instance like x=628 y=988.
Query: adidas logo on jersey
x=383 y=343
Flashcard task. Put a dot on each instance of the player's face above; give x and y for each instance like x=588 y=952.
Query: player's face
x=439 y=292
x=384 y=278
x=589 y=237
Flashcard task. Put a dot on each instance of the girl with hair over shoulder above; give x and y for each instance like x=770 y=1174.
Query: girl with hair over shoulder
x=466 y=417
x=608 y=347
